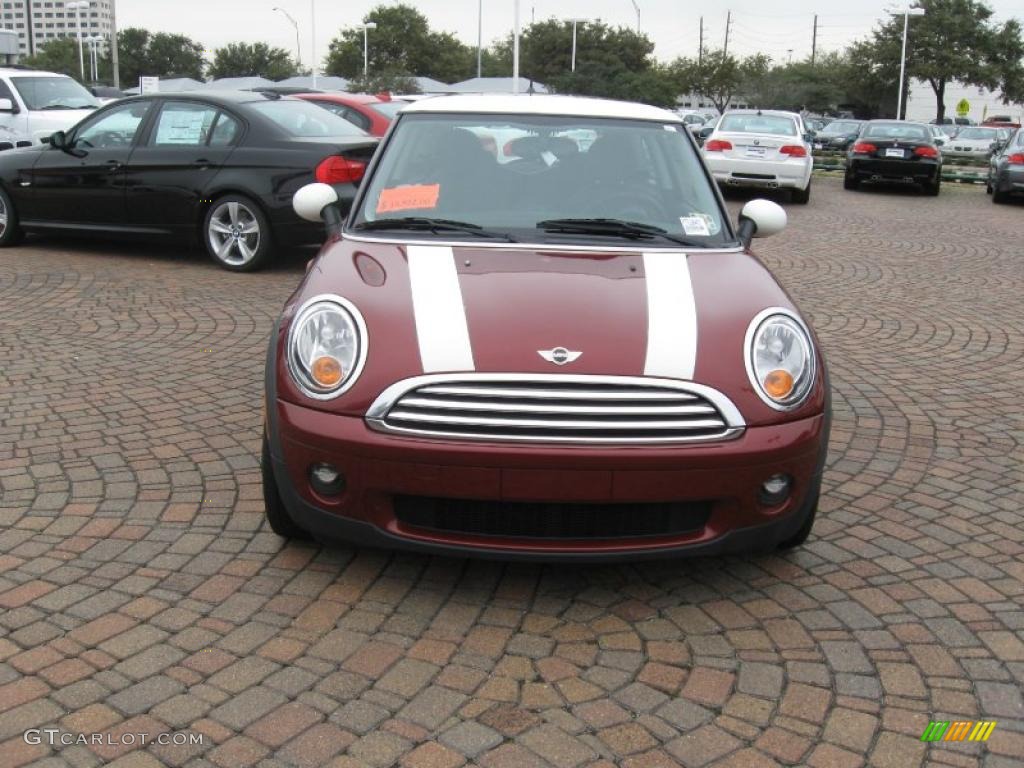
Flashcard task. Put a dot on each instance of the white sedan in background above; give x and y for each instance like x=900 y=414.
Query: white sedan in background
x=765 y=149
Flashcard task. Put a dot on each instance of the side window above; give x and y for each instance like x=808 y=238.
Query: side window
x=183 y=124
x=357 y=118
x=5 y=93
x=225 y=131
x=114 y=128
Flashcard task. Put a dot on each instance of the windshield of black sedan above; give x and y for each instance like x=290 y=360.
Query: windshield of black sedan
x=898 y=131
x=53 y=93
x=516 y=174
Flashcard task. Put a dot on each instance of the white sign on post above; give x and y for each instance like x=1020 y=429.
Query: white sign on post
x=149 y=85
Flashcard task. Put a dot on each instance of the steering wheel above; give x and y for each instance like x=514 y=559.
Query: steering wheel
x=631 y=203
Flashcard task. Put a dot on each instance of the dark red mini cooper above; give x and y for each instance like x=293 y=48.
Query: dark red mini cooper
x=537 y=335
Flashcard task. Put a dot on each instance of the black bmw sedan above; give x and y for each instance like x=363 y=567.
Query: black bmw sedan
x=219 y=169
x=895 y=151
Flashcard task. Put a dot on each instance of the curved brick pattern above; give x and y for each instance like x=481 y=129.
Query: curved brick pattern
x=141 y=591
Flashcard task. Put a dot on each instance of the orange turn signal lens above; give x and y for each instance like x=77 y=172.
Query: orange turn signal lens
x=326 y=371
x=778 y=384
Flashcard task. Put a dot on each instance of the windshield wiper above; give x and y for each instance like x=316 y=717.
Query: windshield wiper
x=62 y=106
x=433 y=225
x=615 y=227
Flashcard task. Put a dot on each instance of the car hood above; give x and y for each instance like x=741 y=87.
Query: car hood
x=45 y=123
x=437 y=308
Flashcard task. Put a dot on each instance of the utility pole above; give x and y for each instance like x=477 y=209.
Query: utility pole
x=479 y=37
x=728 y=23
x=700 y=48
x=814 y=40
x=113 y=44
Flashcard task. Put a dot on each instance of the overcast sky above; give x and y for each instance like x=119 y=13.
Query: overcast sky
x=775 y=27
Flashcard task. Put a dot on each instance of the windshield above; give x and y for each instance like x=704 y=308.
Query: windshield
x=898 y=131
x=773 y=124
x=305 y=120
x=842 y=126
x=388 y=108
x=526 y=176
x=979 y=134
x=53 y=93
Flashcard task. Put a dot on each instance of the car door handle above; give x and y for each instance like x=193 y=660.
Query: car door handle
x=202 y=162
x=114 y=165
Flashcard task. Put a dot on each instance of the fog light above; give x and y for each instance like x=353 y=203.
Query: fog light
x=774 y=490
x=326 y=479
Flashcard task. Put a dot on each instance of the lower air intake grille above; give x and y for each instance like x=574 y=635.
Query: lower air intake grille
x=551 y=520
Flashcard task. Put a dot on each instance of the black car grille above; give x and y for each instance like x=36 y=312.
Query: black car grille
x=551 y=520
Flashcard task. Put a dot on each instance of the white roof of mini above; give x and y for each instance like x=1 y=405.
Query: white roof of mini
x=19 y=72
x=541 y=104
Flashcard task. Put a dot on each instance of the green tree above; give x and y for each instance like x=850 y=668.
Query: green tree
x=401 y=44
x=611 y=62
x=249 y=59
x=955 y=41
x=162 y=55
x=721 y=77
x=59 y=55
x=379 y=82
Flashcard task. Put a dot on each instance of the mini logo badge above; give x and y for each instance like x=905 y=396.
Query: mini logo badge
x=559 y=355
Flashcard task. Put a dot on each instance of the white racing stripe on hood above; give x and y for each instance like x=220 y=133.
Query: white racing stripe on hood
x=671 y=317
x=438 y=309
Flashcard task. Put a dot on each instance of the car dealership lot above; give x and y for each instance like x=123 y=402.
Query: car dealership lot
x=142 y=593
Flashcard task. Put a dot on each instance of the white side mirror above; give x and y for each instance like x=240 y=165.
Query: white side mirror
x=310 y=201
x=768 y=218
x=6 y=105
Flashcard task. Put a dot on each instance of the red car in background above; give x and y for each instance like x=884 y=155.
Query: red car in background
x=371 y=113
x=567 y=354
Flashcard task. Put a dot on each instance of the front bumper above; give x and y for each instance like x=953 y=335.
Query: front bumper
x=380 y=467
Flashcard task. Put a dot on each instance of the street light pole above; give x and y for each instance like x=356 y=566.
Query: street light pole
x=312 y=42
x=367 y=25
x=298 y=46
x=574 y=23
x=479 y=37
x=76 y=7
x=907 y=13
x=515 y=49
x=637 y=9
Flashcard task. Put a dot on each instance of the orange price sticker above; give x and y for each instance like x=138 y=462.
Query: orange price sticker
x=408 y=197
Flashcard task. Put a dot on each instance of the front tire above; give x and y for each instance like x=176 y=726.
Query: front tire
x=236 y=234
x=10 y=232
x=278 y=518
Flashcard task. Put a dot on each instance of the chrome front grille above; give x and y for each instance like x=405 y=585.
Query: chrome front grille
x=555 y=408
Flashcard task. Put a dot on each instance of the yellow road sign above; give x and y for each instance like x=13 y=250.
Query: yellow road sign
x=963 y=107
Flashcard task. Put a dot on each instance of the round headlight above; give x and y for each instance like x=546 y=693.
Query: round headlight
x=780 y=359
x=326 y=346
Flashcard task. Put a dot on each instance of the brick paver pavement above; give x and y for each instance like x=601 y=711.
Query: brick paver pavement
x=141 y=592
